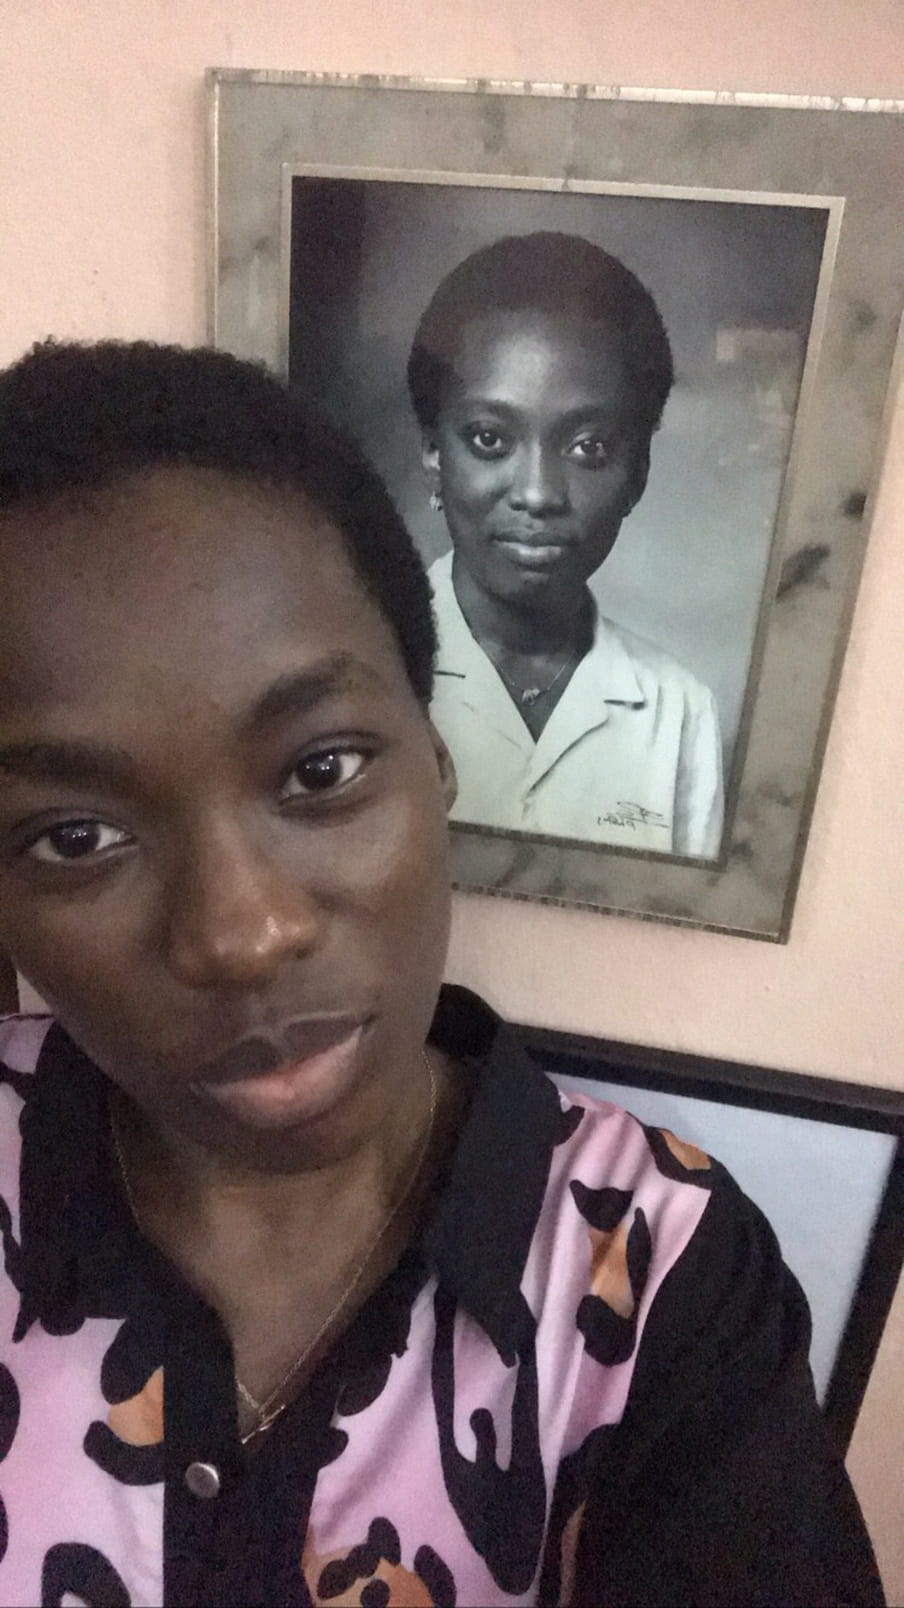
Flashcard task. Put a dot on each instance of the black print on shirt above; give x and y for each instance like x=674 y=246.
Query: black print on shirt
x=619 y=1266
x=386 y=1338
x=129 y=1446
x=374 y=1572
x=503 y=1511
x=10 y=1406
x=575 y=1478
x=73 y=1569
x=676 y=1159
x=12 y=1254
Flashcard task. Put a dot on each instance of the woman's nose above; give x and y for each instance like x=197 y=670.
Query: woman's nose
x=538 y=480
x=234 y=919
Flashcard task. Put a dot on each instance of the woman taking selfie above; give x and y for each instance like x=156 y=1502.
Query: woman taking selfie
x=316 y=1290
x=538 y=375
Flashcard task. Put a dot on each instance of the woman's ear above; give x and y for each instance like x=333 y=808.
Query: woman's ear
x=430 y=457
x=431 y=462
x=445 y=766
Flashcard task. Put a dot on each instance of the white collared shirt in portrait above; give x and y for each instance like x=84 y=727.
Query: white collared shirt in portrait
x=630 y=756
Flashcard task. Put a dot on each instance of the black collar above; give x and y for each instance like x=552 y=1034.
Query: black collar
x=481 y=1232
x=79 y=1251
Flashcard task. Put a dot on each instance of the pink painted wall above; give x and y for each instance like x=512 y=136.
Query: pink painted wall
x=102 y=202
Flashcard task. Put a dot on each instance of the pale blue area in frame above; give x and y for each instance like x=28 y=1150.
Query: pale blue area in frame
x=819 y=1183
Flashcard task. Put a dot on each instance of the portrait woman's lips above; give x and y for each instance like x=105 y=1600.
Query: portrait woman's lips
x=532 y=552
x=262 y=1086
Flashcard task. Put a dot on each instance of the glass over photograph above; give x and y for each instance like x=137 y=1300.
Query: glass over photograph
x=583 y=405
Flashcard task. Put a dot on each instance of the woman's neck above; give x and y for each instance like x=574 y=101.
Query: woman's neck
x=174 y=1180
x=533 y=628
x=287 y=1259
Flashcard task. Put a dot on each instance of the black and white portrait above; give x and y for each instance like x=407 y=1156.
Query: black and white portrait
x=583 y=405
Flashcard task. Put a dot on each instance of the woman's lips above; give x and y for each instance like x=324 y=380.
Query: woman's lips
x=291 y=1092
x=532 y=554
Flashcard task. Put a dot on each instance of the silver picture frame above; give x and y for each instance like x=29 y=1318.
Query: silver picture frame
x=771 y=227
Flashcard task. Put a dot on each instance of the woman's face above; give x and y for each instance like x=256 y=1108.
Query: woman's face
x=536 y=452
x=223 y=856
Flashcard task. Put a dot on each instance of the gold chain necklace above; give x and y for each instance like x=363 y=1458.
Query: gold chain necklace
x=277 y=1401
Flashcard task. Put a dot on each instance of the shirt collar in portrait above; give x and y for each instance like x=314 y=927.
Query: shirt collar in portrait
x=608 y=665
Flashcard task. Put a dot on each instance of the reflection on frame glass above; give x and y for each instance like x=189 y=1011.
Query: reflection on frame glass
x=597 y=404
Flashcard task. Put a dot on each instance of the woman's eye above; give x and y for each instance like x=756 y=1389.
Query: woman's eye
x=324 y=772
x=75 y=841
x=485 y=440
x=590 y=450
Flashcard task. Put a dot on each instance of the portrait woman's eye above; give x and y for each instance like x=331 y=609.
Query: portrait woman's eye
x=329 y=770
x=486 y=440
x=591 y=450
x=76 y=842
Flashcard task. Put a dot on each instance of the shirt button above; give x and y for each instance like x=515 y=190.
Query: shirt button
x=203 y=1480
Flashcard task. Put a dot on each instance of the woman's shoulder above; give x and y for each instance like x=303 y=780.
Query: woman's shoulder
x=635 y=1194
x=629 y=1156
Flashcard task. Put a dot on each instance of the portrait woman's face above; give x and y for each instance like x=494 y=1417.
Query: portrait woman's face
x=536 y=452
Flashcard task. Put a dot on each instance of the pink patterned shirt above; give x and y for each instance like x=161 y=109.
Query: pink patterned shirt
x=516 y=1416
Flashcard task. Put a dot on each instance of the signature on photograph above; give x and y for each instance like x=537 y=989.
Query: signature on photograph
x=633 y=816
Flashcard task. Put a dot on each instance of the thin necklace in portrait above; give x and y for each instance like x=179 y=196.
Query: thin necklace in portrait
x=274 y=1404
x=527 y=696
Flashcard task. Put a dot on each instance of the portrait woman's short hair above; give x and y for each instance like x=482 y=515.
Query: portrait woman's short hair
x=78 y=418
x=546 y=272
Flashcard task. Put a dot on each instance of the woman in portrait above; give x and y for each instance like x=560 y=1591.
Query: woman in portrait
x=538 y=375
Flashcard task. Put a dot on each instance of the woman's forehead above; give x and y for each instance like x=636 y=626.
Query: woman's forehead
x=175 y=533
x=567 y=327
x=179 y=516
x=179 y=568
x=521 y=350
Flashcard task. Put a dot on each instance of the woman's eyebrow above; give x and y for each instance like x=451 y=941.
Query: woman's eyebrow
x=299 y=691
x=608 y=410
x=81 y=764
x=75 y=764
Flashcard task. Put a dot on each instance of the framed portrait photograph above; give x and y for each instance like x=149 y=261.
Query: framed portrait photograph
x=623 y=361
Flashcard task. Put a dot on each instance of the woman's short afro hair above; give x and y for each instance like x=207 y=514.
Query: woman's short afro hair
x=552 y=273
x=82 y=417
